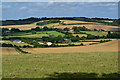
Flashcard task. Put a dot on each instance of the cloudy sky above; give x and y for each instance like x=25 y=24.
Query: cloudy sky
x=20 y=10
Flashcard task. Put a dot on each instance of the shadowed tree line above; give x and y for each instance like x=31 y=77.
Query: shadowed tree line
x=74 y=76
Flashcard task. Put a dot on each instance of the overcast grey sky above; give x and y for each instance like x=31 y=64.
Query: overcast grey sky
x=20 y=10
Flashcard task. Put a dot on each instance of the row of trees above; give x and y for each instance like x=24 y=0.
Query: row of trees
x=58 y=39
x=48 y=22
x=32 y=19
x=78 y=29
x=113 y=34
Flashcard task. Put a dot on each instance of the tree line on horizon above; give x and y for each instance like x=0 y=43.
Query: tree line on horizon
x=116 y=22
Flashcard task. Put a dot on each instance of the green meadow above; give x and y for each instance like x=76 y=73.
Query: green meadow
x=95 y=33
x=60 y=65
x=39 y=34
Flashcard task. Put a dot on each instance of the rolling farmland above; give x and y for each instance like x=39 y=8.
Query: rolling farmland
x=103 y=47
x=89 y=26
x=71 y=61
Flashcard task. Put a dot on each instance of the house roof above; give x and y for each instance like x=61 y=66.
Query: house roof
x=49 y=43
x=16 y=40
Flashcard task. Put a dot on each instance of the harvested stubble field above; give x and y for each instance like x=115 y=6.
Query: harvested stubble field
x=21 y=27
x=98 y=59
x=78 y=43
x=103 y=47
x=93 y=26
x=73 y=21
x=8 y=50
x=89 y=26
x=107 y=21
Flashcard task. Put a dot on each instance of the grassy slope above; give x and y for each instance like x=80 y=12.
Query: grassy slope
x=52 y=24
x=17 y=44
x=37 y=35
x=75 y=22
x=41 y=65
x=96 y=33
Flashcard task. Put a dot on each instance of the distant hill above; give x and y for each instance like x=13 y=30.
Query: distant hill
x=115 y=22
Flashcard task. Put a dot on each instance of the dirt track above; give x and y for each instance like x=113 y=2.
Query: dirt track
x=103 y=47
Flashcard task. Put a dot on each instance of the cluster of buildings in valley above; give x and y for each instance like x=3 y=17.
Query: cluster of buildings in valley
x=19 y=41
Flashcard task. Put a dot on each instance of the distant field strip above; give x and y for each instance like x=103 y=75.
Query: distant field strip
x=102 y=47
x=79 y=23
x=37 y=35
x=92 y=26
x=73 y=21
x=17 y=44
x=95 y=33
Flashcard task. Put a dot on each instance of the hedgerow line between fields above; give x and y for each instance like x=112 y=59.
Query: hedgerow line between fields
x=19 y=50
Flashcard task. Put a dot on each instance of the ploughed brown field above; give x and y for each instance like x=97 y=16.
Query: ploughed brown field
x=103 y=47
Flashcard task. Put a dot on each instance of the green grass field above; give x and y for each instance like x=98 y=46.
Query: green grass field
x=79 y=23
x=96 y=33
x=67 y=65
x=52 y=25
x=37 y=35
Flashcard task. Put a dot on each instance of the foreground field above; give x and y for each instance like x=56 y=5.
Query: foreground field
x=45 y=64
x=103 y=47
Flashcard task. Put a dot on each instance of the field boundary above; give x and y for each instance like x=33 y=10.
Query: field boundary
x=21 y=51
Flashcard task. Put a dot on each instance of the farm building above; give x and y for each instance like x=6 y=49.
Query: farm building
x=49 y=43
x=18 y=41
x=40 y=42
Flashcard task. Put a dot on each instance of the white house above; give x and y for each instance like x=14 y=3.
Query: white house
x=49 y=43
